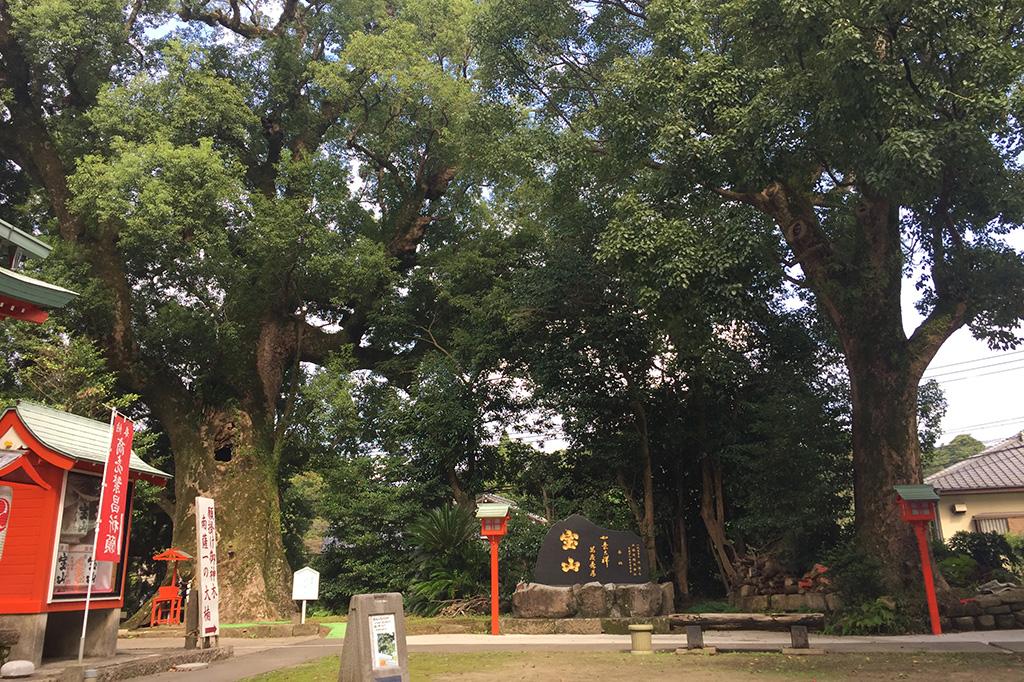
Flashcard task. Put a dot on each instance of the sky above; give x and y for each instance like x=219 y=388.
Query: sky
x=982 y=386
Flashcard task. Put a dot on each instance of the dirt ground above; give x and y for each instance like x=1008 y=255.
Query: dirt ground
x=569 y=667
x=622 y=667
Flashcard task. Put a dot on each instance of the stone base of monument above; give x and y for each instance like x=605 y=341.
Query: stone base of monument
x=580 y=626
x=593 y=600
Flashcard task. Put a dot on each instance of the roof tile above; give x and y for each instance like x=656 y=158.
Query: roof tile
x=1000 y=466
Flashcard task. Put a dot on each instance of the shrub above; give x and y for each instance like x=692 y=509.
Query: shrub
x=855 y=574
x=992 y=551
x=878 y=616
x=959 y=570
x=450 y=559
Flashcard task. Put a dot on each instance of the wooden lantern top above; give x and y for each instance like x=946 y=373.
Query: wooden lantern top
x=917 y=502
x=493 y=519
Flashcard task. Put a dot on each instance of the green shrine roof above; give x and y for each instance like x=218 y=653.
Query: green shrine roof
x=28 y=243
x=34 y=291
x=913 y=493
x=492 y=511
x=78 y=437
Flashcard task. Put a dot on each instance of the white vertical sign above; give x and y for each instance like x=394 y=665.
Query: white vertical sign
x=6 y=498
x=206 y=550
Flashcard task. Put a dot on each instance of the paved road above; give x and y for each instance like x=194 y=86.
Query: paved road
x=253 y=657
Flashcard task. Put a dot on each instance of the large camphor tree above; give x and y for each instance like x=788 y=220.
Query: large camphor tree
x=882 y=140
x=239 y=188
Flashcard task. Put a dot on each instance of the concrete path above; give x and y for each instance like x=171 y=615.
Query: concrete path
x=257 y=656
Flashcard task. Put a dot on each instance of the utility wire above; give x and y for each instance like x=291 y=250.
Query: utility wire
x=1000 y=422
x=967 y=362
x=975 y=376
x=974 y=369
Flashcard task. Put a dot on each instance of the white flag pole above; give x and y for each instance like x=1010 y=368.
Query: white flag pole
x=95 y=540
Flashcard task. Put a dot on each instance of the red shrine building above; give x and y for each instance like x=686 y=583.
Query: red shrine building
x=23 y=297
x=51 y=463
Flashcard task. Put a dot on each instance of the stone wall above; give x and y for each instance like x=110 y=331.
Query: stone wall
x=819 y=602
x=1003 y=611
x=592 y=600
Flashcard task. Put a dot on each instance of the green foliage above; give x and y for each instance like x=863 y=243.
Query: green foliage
x=48 y=364
x=856 y=575
x=959 y=570
x=517 y=553
x=957 y=450
x=450 y=558
x=991 y=551
x=876 y=617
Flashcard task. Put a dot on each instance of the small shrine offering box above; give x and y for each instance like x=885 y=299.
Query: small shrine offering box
x=51 y=464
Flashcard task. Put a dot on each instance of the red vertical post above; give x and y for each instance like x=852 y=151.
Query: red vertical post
x=929 y=580
x=495 y=630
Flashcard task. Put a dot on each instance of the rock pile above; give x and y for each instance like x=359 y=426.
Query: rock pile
x=1002 y=611
x=592 y=600
x=767 y=587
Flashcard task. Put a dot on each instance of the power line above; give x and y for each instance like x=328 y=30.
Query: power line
x=967 y=362
x=975 y=376
x=1001 y=422
x=973 y=369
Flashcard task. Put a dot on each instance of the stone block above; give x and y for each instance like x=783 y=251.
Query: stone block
x=833 y=602
x=1006 y=621
x=971 y=608
x=788 y=602
x=17 y=669
x=639 y=600
x=668 y=598
x=529 y=626
x=986 y=622
x=815 y=601
x=1019 y=617
x=747 y=590
x=1016 y=606
x=986 y=601
x=543 y=601
x=620 y=626
x=591 y=600
x=615 y=609
x=964 y=623
x=1012 y=595
x=997 y=610
x=756 y=604
x=577 y=626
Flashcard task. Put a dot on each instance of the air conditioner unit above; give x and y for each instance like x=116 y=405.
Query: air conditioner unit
x=960 y=508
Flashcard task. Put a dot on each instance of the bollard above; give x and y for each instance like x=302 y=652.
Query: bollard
x=640 y=635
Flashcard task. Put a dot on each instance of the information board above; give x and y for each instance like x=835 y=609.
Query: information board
x=206 y=548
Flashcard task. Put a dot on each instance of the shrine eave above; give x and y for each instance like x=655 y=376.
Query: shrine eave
x=35 y=292
x=30 y=245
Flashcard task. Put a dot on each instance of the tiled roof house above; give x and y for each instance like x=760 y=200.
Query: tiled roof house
x=984 y=492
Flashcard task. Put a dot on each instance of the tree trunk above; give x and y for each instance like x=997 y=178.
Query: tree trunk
x=253 y=574
x=886 y=453
x=681 y=555
x=646 y=518
x=712 y=512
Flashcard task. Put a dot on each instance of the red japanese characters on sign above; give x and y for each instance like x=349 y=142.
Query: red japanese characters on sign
x=206 y=543
x=114 y=500
x=6 y=497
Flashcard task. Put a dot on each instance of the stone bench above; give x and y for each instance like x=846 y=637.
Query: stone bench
x=797 y=623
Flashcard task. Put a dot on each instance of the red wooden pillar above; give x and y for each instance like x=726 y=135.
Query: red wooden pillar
x=926 y=573
x=918 y=507
x=495 y=628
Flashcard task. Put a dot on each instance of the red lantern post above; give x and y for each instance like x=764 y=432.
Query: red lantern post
x=493 y=526
x=917 y=507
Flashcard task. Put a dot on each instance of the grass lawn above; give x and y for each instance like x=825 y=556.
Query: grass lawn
x=623 y=667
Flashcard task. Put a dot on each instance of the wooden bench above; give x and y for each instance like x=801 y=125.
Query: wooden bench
x=797 y=623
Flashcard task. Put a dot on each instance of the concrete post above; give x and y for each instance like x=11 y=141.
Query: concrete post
x=374 y=649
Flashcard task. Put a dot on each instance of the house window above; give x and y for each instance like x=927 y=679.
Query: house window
x=1001 y=526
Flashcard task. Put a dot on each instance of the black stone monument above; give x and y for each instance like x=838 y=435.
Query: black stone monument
x=576 y=550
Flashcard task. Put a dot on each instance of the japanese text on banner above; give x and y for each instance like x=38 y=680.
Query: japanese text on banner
x=206 y=544
x=114 y=501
